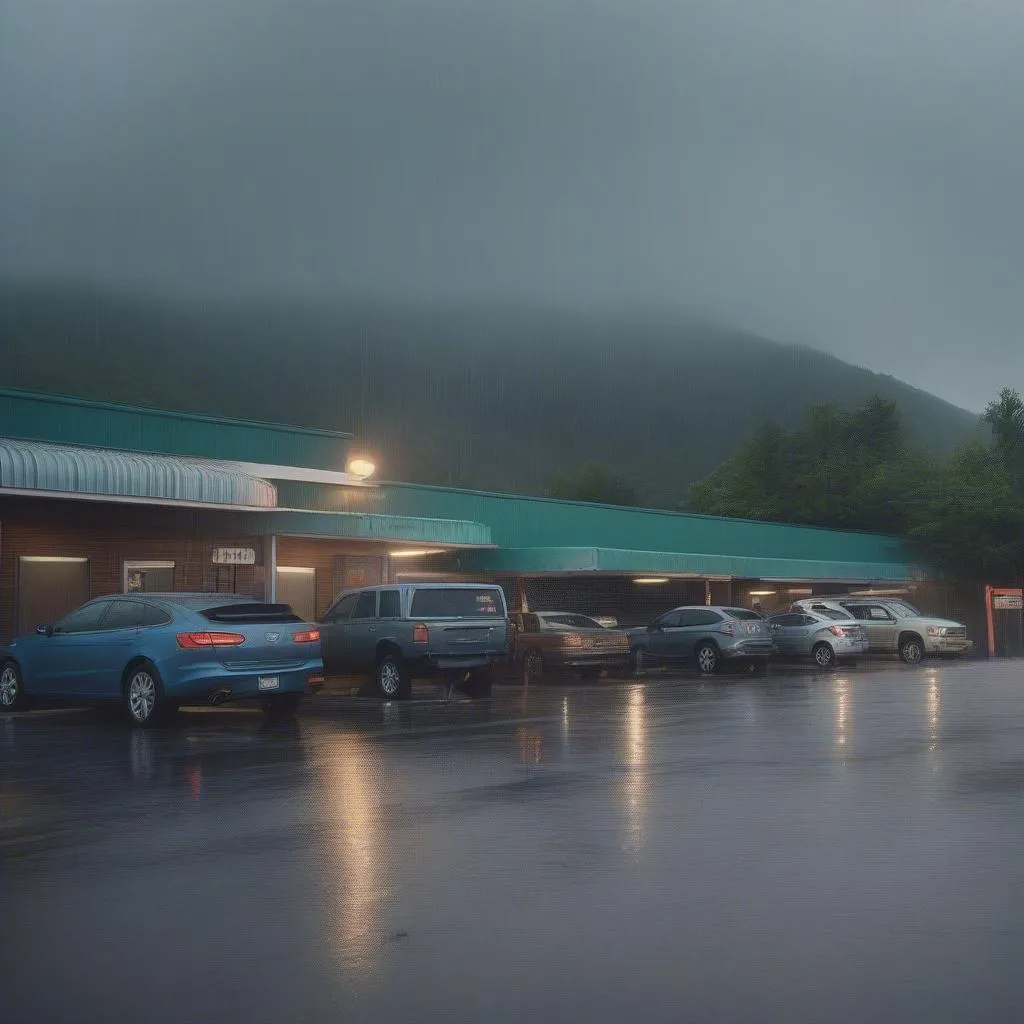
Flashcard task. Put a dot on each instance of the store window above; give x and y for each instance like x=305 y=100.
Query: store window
x=148 y=577
x=296 y=586
x=49 y=588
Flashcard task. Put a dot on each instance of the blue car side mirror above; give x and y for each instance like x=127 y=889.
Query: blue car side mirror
x=44 y=630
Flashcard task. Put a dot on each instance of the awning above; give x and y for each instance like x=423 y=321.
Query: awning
x=613 y=561
x=35 y=466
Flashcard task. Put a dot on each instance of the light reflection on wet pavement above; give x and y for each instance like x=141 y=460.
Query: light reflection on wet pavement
x=842 y=847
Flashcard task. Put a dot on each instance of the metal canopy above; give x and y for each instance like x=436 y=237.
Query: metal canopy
x=69 y=469
x=542 y=560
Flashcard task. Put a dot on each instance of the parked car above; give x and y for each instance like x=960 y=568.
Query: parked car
x=154 y=652
x=827 y=636
x=895 y=627
x=702 y=635
x=399 y=632
x=566 y=640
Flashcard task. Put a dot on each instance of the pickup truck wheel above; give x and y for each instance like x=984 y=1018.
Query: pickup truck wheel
x=391 y=677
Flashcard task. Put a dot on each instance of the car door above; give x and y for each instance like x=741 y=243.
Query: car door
x=879 y=624
x=807 y=633
x=334 y=635
x=115 y=642
x=786 y=632
x=389 y=618
x=68 y=660
x=361 y=632
x=664 y=635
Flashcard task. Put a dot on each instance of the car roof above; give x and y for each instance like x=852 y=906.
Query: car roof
x=584 y=614
x=726 y=608
x=811 y=611
x=197 y=601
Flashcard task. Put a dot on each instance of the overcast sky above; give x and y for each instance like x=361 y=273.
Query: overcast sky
x=845 y=173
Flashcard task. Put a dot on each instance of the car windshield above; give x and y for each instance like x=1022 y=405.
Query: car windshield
x=832 y=613
x=573 y=621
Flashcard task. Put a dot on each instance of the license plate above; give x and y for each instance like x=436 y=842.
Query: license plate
x=270 y=682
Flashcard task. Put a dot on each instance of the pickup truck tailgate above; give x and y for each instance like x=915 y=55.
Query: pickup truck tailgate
x=459 y=638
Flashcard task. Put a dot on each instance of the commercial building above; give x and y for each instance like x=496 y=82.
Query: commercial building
x=98 y=498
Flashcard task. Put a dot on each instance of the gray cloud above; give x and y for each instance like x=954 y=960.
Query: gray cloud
x=845 y=174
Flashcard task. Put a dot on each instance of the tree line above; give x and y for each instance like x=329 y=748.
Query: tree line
x=859 y=470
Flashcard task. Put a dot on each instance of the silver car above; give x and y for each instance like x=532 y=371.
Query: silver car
x=826 y=636
x=895 y=627
x=703 y=636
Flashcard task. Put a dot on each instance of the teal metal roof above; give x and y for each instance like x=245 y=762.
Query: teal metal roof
x=63 y=420
x=365 y=526
x=616 y=561
x=35 y=466
x=524 y=522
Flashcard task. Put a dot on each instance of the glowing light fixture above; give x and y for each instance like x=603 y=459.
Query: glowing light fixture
x=415 y=554
x=762 y=593
x=51 y=558
x=361 y=465
x=651 y=579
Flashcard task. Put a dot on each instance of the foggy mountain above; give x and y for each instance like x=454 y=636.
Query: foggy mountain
x=486 y=397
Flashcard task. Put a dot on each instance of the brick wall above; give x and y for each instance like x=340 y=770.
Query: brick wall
x=321 y=554
x=108 y=535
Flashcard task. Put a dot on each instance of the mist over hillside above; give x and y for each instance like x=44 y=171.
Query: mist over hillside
x=491 y=397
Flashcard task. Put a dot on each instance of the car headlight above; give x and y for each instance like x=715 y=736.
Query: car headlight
x=937 y=630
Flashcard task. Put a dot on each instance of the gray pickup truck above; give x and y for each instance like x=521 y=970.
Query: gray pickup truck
x=395 y=633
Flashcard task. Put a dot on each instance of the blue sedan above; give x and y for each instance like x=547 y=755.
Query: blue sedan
x=154 y=652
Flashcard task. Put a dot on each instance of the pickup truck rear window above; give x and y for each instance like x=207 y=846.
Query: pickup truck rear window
x=251 y=612
x=458 y=603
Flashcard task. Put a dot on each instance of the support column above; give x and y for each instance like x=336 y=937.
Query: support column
x=271 y=560
x=521 y=600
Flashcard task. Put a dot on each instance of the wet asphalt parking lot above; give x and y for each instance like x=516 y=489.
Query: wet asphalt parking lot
x=801 y=847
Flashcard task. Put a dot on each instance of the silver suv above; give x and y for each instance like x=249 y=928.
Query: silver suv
x=895 y=627
x=703 y=636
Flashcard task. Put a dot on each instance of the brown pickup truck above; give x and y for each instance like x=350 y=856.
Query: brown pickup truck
x=549 y=641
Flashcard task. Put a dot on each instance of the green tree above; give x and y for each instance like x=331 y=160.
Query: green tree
x=1006 y=418
x=971 y=520
x=840 y=469
x=594 y=483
